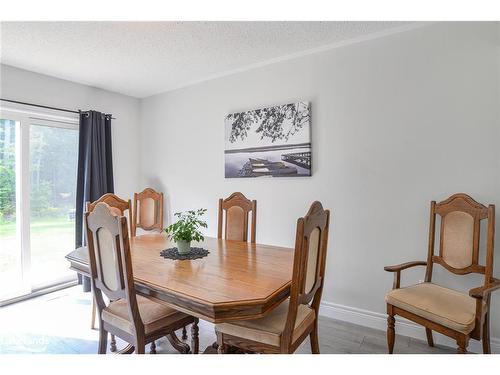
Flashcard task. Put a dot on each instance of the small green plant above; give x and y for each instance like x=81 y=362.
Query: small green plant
x=187 y=227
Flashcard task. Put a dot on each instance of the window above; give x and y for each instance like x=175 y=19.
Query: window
x=38 y=167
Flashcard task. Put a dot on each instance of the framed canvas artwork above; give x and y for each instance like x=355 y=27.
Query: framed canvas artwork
x=269 y=142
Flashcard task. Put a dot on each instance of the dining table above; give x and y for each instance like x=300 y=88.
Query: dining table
x=235 y=281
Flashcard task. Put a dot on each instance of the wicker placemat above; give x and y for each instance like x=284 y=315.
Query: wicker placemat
x=173 y=253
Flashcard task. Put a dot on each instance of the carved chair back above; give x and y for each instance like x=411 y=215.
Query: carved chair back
x=115 y=202
x=110 y=259
x=459 y=237
x=148 y=211
x=237 y=209
x=311 y=243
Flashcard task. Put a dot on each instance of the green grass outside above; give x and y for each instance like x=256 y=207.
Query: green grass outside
x=42 y=225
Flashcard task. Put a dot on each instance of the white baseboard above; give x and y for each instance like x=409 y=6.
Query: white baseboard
x=403 y=326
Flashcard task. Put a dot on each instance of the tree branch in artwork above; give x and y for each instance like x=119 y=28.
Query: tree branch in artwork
x=270 y=122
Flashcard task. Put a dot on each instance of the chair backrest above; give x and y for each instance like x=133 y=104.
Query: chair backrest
x=311 y=243
x=237 y=208
x=113 y=201
x=459 y=238
x=110 y=259
x=148 y=211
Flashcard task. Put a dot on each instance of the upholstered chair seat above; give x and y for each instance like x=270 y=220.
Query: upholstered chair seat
x=268 y=330
x=135 y=319
x=444 y=306
x=284 y=328
x=155 y=316
x=454 y=314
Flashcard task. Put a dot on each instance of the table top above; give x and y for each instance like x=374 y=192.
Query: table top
x=237 y=280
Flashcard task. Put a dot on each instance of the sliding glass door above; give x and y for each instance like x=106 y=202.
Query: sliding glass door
x=38 y=166
x=53 y=164
x=11 y=262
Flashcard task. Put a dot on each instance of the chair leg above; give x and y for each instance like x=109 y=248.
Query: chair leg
x=184 y=333
x=140 y=347
x=462 y=344
x=92 y=316
x=195 y=340
x=430 y=339
x=313 y=337
x=391 y=333
x=103 y=340
x=221 y=349
x=152 y=349
x=486 y=335
x=112 y=345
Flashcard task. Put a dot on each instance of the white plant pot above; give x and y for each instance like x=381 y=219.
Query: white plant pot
x=183 y=247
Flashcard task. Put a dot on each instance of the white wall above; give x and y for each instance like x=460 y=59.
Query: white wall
x=396 y=122
x=22 y=85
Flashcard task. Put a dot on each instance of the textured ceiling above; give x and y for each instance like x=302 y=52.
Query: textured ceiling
x=145 y=58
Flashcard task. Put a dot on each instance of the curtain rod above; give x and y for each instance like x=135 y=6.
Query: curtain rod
x=47 y=107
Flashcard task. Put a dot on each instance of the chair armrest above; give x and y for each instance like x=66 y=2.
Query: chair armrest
x=482 y=292
x=403 y=266
x=399 y=267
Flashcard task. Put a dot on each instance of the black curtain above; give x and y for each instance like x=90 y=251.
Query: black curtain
x=95 y=167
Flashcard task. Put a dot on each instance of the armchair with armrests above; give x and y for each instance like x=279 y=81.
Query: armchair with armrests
x=457 y=315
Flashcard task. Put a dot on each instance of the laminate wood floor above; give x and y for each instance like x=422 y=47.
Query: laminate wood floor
x=59 y=323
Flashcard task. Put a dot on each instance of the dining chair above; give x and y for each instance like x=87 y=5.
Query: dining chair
x=120 y=205
x=452 y=313
x=148 y=211
x=132 y=317
x=147 y=214
x=283 y=329
x=235 y=209
x=114 y=201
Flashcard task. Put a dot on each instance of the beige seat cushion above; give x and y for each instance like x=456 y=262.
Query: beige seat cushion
x=268 y=330
x=440 y=305
x=154 y=315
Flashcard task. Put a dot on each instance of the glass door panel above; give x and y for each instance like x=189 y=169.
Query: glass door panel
x=53 y=170
x=11 y=260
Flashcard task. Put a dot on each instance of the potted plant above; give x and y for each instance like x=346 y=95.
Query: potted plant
x=186 y=229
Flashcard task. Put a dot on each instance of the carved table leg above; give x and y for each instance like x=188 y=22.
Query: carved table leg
x=195 y=341
x=184 y=333
x=152 y=349
x=221 y=349
x=112 y=345
x=178 y=345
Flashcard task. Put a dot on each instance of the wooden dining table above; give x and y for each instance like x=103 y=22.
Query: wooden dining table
x=236 y=280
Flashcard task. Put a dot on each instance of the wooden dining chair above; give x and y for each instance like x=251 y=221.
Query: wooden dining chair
x=148 y=211
x=285 y=328
x=115 y=202
x=452 y=313
x=134 y=318
x=147 y=214
x=120 y=205
x=236 y=209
